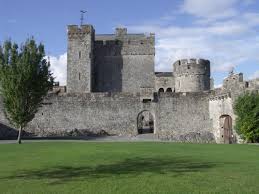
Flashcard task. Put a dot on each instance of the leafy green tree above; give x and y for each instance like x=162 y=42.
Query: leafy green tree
x=25 y=79
x=247 y=122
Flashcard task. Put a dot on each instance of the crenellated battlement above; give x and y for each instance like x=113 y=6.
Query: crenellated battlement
x=122 y=43
x=121 y=35
x=191 y=67
x=75 y=31
x=192 y=61
x=121 y=31
x=221 y=96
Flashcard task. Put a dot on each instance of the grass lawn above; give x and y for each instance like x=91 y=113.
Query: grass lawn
x=148 y=167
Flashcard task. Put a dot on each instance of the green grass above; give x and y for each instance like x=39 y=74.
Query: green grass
x=79 y=167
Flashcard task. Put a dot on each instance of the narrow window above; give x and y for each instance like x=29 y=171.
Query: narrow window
x=161 y=90
x=169 y=90
x=117 y=42
x=146 y=100
x=79 y=76
x=79 y=55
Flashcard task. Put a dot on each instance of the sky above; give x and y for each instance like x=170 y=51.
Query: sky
x=222 y=31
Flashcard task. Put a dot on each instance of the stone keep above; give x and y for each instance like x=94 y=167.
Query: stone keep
x=117 y=62
x=123 y=62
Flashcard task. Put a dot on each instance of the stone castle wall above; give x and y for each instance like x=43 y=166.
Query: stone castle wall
x=220 y=105
x=61 y=114
x=236 y=85
x=184 y=117
x=176 y=117
x=222 y=101
x=6 y=130
x=164 y=81
x=3 y=119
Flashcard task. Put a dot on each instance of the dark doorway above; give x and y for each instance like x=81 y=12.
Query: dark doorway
x=169 y=90
x=161 y=90
x=226 y=127
x=145 y=122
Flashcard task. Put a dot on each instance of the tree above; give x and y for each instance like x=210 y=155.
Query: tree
x=247 y=110
x=25 y=79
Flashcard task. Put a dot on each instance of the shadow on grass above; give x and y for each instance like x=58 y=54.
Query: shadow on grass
x=124 y=169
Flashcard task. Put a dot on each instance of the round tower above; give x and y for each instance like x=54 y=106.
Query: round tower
x=192 y=75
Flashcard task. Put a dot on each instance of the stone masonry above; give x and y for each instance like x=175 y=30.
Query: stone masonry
x=112 y=89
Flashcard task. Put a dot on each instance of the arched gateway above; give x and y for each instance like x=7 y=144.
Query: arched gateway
x=145 y=122
x=161 y=90
x=226 y=129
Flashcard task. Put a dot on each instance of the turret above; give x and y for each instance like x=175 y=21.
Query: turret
x=192 y=75
x=80 y=58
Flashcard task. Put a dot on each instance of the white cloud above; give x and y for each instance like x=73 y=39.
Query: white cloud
x=218 y=86
x=210 y=8
x=252 y=19
x=226 y=67
x=219 y=32
x=224 y=45
x=59 y=68
x=228 y=28
x=255 y=75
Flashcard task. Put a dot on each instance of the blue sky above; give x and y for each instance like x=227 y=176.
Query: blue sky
x=223 y=31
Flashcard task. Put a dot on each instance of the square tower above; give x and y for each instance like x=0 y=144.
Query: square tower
x=80 y=58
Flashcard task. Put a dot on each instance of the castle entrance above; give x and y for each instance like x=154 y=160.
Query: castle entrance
x=145 y=122
x=226 y=128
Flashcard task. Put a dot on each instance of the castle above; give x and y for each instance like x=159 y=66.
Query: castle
x=112 y=88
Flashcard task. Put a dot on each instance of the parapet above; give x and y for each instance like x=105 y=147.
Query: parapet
x=219 y=95
x=122 y=35
x=75 y=31
x=123 y=43
x=234 y=77
x=121 y=31
x=192 y=62
x=191 y=67
x=254 y=83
